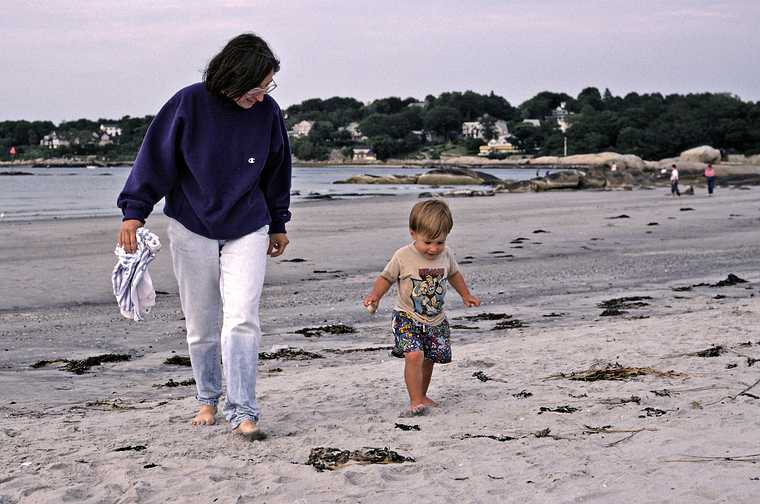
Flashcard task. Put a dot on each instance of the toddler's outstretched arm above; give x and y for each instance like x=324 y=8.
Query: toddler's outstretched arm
x=457 y=281
x=379 y=288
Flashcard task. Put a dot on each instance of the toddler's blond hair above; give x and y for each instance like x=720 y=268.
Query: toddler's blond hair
x=431 y=218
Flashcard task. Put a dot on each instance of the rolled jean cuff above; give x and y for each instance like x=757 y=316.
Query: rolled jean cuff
x=208 y=402
x=238 y=420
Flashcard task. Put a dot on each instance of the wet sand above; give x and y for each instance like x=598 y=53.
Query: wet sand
x=117 y=433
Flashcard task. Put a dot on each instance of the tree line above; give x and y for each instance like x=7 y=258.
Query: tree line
x=651 y=125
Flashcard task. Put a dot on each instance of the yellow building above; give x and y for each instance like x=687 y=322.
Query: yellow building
x=498 y=148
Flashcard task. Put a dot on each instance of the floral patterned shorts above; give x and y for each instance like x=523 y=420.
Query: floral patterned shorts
x=433 y=341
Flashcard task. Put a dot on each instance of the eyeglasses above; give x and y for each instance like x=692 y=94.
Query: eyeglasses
x=257 y=92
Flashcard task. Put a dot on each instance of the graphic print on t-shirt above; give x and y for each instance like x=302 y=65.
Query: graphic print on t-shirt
x=428 y=291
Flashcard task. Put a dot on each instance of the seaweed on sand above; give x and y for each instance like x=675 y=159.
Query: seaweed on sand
x=480 y=375
x=652 y=412
x=331 y=329
x=405 y=427
x=290 y=353
x=81 y=366
x=731 y=279
x=615 y=371
x=618 y=401
x=619 y=306
x=500 y=438
x=486 y=316
x=624 y=303
x=558 y=409
x=131 y=448
x=325 y=458
x=178 y=360
x=509 y=324
x=355 y=350
x=713 y=351
x=171 y=383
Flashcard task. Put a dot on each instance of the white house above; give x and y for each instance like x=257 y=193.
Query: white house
x=111 y=130
x=417 y=104
x=476 y=129
x=302 y=129
x=353 y=128
x=532 y=122
x=472 y=129
x=364 y=154
x=53 y=141
x=561 y=115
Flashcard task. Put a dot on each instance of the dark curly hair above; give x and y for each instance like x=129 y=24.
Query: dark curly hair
x=240 y=66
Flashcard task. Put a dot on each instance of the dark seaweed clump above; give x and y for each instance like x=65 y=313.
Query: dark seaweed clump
x=325 y=458
x=486 y=316
x=171 y=383
x=405 y=427
x=331 y=329
x=713 y=351
x=81 y=366
x=178 y=360
x=509 y=324
x=290 y=354
x=558 y=409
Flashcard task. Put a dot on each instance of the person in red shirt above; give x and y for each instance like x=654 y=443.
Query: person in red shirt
x=710 y=175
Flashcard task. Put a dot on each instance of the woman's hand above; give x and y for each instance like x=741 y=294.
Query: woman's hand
x=277 y=244
x=127 y=237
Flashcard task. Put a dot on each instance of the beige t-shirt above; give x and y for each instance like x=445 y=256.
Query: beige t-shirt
x=421 y=282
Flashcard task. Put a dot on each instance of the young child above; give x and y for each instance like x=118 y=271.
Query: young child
x=422 y=269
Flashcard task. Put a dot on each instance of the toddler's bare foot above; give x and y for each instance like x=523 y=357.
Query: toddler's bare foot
x=429 y=402
x=249 y=430
x=206 y=415
x=413 y=411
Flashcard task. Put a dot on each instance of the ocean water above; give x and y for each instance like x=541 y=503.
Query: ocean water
x=88 y=192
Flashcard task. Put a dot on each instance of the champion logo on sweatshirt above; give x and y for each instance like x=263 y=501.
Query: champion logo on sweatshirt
x=251 y=160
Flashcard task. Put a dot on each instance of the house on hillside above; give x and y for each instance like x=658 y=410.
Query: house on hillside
x=112 y=130
x=54 y=141
x=476 y=129
x=363 y=153
x=302 y=129
x=353 y=129
x=561 y=115
x=498 y=147
x=104 y=139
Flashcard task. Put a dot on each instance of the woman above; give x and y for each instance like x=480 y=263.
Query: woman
x=218 y=151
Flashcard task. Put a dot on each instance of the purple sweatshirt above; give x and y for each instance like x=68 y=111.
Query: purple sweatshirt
x=224 y=170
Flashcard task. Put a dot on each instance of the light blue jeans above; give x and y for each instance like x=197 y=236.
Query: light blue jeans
x=222 y=277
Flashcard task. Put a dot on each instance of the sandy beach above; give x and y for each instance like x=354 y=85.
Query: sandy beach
x=514 y=424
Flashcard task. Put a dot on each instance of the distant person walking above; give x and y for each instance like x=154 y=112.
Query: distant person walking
x=218 y=151
x=674 y=182
x=710 y=175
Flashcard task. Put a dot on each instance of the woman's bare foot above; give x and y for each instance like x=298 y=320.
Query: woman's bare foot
x=249 y=430
x=429 y=402
x=206 y=415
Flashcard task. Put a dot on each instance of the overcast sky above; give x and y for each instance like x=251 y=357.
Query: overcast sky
x=63 y=60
